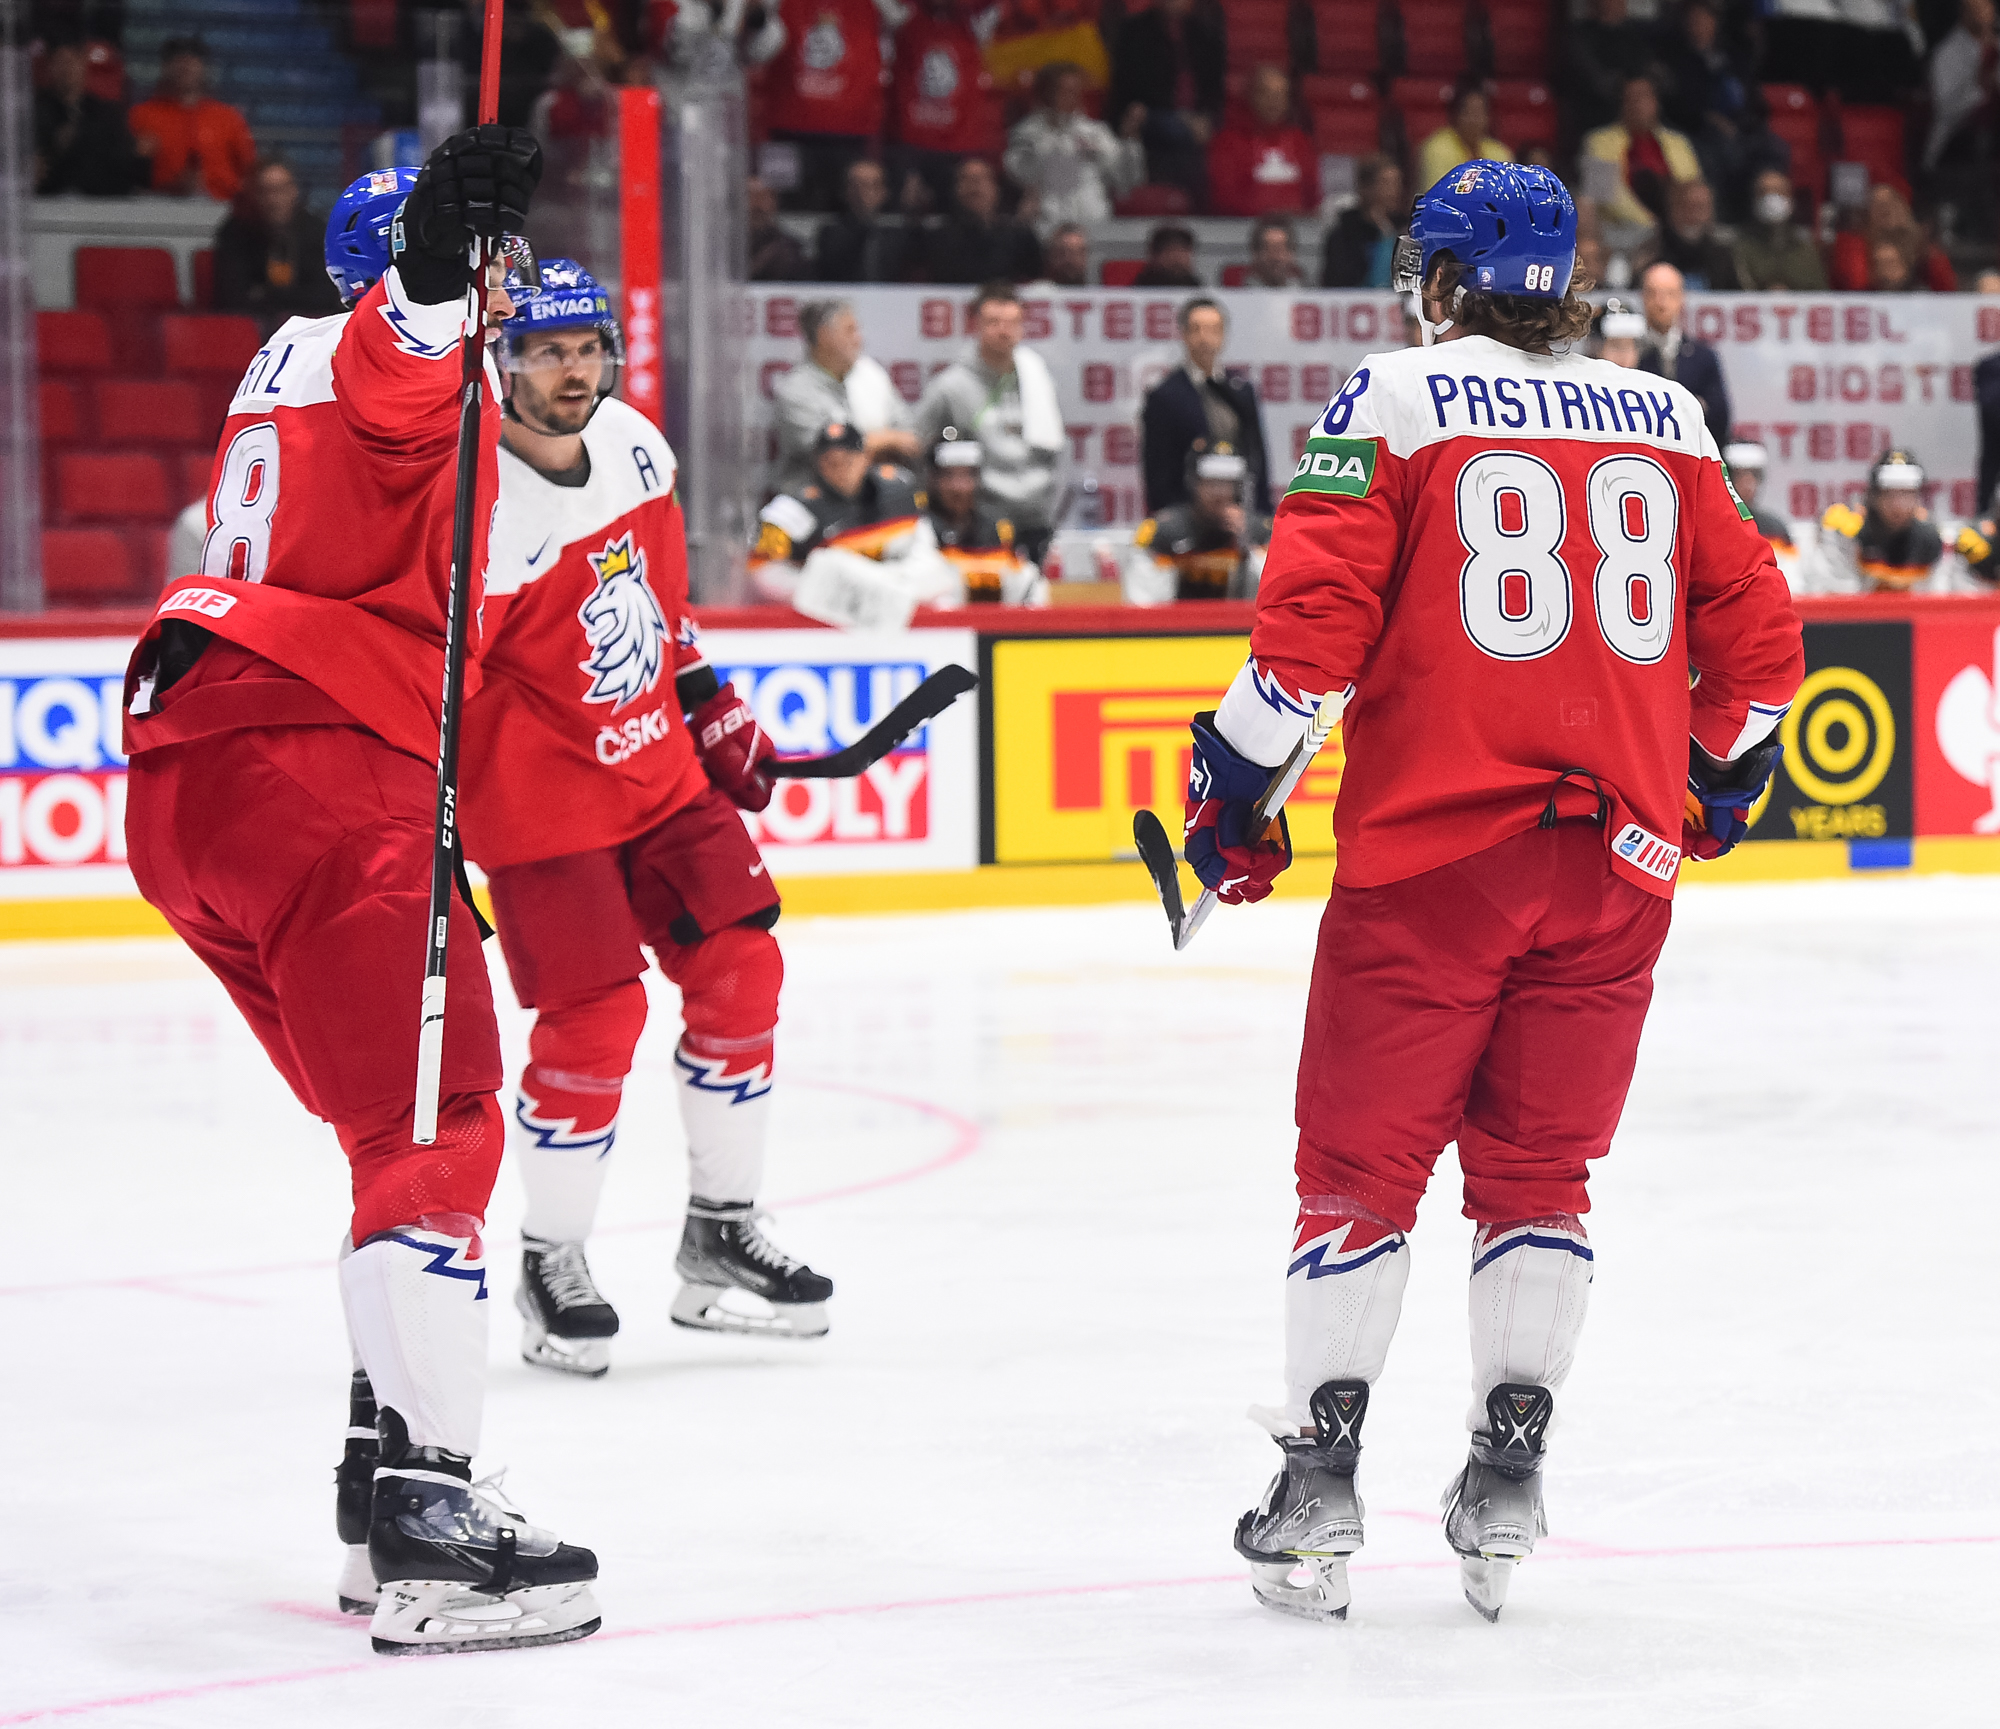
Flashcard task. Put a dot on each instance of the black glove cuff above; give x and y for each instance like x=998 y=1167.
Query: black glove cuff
x=432 y=281
x=1748 y=772
x=695 y=686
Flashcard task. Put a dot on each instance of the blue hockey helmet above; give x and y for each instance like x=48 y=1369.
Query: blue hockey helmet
x=567 y=297
x=357 y=233
x=1511 y=229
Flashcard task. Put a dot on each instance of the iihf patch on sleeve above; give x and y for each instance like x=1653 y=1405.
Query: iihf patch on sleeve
x=1647 y=852
x=1339 y=465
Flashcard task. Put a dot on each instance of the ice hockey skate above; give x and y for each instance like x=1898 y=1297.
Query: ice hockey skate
x=725 y=1258
x=567 y=1324
x=1298 y=1538
x=1493 y=1509
x=461 y=1570
x=354 y=1495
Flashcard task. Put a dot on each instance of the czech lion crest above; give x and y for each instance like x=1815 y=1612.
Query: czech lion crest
x=624 y=626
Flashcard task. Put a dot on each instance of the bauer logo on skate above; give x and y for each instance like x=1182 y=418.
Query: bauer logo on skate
x=62 y=774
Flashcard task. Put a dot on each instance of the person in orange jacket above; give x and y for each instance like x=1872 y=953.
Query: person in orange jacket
x=195 y=143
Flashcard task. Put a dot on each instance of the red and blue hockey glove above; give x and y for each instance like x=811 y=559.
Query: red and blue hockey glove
x=1720 y=796
x=733 y=748
x=1223 y=787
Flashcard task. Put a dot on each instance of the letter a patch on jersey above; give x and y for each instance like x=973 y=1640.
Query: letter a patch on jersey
x=1345 y=466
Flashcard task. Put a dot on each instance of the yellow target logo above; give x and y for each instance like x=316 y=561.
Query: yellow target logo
x=1840 y=736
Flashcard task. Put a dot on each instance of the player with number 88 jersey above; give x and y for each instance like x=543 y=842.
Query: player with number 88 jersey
x=1562 y=650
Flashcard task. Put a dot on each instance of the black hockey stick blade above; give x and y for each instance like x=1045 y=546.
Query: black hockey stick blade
x=922 y=706
x=1156 y=853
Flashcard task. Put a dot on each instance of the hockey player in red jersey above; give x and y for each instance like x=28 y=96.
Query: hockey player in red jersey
x=1562 y=650
x=283 y=729
x=604 y=766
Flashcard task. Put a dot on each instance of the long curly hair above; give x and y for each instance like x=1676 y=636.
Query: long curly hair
x=1535 y=325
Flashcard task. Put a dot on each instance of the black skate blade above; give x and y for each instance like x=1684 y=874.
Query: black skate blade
x=1486 y=1614
x=452 y=1647
x=355 y=1606
x=1156 y=853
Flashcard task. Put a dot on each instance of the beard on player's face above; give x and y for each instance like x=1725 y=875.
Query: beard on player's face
x=559 y=412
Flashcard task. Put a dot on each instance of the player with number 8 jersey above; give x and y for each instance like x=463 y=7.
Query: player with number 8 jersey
x=1560 y=651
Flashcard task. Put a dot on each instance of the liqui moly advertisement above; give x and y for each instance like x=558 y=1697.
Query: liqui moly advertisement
x=62 y=775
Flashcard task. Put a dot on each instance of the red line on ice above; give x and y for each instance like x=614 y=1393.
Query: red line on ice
x=1041 y=1593
x=965 y=1142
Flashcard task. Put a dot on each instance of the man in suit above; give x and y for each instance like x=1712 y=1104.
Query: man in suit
x=1672 y=353
x=1197 y=401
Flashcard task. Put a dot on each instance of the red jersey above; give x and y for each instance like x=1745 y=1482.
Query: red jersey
x=330 y=512
x=1520 y=564
x=576 y=740
x=1255 y=169
x=828 y=77
x=944 y=96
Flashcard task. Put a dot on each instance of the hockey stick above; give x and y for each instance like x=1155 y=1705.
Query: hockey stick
x=922 y=706
x=458 y=604
x=1156 y=851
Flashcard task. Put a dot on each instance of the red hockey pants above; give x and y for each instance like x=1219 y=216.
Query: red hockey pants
x=295 y=861
x=1496 y=1001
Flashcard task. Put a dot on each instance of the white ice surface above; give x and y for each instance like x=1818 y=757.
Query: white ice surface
x=1001 y=1493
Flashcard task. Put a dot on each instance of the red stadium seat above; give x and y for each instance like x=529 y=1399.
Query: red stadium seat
x=1520 y=37
x=1235 y=275
x=1351 y=129
x=62 y=412
x=1875 y=136
x=85 y=564
x=1119 y=272
x=1434 y=37
x=1256 y=32
x=124 y=485
x=1336 y=89
x=147 y=544
x=209 y=342
x=1524 y=113
x=1153 y=199
x=1408 y=93
x=1348 y=42
x=204 y=279
x=150 y=411
x=73 y=341
x=197 y=469
x=126 y=278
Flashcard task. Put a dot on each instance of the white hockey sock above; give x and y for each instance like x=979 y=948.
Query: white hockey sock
x=1529 y=1292
x=726 y=1112
x=561 y=1134
x=1343 y=1297
x=416 y=1311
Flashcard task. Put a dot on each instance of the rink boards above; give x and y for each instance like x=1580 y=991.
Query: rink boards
x=1025 y=794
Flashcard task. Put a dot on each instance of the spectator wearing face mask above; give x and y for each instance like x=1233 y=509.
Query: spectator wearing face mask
x=1689 y=242
x=1773 y=253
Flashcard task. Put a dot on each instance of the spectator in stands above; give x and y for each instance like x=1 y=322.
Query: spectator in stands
x=1644 y=158
x=857 y=245
x=1672 y=353
x=82 y=143
x=1001 y=393
x=1066 y=257
x=1603 y=52
x=1890 y=222
x=1361 y=240
x=774 y=255
x=943 y=100
x=976 y=242
x=270 y=253
x=1169 y=60
x=1274 y=257
x=1073 y=166
x=1962 y=85
x=1890 y=271
x=1264 y=160
x=529 y=51
x=196 y=144
x=581 y=101
x=1689 y=242
x=1464 y=138
x=1746 y=464
x=825 y=89
x=1773 y=253
x=1169 y=259
x=1706 y=95
x=1199 y=401
x=1986 y=282
x=837 y=381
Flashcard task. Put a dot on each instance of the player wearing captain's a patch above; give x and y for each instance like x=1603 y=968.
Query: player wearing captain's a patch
x=1507 y=564
x=605 y=767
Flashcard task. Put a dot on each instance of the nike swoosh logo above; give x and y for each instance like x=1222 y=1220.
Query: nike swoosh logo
x=535 y=557
x=756 y=870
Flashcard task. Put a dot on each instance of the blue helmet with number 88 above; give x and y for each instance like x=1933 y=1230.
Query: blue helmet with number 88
x=1510 y=228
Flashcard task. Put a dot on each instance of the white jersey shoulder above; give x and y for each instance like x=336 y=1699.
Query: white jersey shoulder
x=536 y=520
x=294 y=368
x=1413 y=397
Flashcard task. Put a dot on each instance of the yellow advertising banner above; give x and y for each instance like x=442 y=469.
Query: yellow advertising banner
x=1087 y=731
